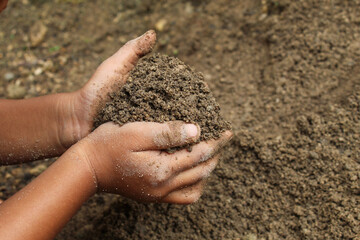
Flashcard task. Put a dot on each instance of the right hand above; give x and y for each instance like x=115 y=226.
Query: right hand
x=128 y=160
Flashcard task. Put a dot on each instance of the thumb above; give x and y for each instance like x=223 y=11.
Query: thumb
x=156 y=136
x=127 y=56
x=113 y=72
x=116 y=68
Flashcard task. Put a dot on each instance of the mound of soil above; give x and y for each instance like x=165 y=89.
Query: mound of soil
x=160 y=89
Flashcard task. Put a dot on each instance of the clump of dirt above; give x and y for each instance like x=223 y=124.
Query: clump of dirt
x=160 y=89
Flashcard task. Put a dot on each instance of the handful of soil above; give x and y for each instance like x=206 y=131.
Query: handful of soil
x=161 y=89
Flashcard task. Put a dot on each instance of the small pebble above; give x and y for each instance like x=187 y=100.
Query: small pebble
x=9 y=76
x=38 y=169
x=160 y=25
x=37 y=33
x=15 y=92
x=38 y=71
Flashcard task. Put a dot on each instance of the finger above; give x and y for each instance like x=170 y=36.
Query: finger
x=192 y=176
x=125 y=59
x=113 y=71
x=127 y=56
x=186 y=195
x=201 y=152
x=156 y=136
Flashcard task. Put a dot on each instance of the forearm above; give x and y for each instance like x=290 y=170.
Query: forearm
x=37 y=128
x=43 y=207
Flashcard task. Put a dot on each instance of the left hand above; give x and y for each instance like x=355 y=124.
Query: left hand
x=109 y=76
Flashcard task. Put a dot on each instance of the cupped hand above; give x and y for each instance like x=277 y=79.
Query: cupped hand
x=110 y=76
x=129 y=160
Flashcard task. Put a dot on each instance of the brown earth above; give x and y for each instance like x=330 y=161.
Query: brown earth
x=286 y=74
x=161 y=89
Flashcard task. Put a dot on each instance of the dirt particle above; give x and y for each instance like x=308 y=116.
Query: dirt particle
x=37 y=33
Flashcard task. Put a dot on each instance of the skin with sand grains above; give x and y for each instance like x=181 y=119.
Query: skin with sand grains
x=127 y=160
x=137 y=167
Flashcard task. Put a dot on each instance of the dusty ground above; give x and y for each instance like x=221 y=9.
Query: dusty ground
x=286 y=74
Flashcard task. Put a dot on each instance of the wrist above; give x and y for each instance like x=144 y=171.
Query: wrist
x=83 y=151
x=98 y=158
x=73 y=121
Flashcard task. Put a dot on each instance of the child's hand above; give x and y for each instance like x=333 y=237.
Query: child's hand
x=128 y=160
x=124 y=160
x=109 y=76
x=48 y=125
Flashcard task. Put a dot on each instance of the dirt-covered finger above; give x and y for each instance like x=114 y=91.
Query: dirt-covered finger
x=214 y=145
x=201 y=152
x=186 y=195
x=132 y=51
x=157 y=136
x=193 y=175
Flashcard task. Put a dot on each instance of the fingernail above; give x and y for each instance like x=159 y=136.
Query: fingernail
x=190 y=130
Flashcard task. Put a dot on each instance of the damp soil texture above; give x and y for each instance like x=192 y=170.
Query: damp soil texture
x=286 y=75
x=161 y=89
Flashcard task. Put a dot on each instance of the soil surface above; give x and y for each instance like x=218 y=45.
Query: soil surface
x=162 y=89
x=285 y=73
